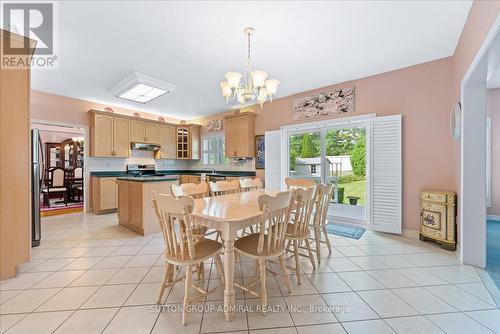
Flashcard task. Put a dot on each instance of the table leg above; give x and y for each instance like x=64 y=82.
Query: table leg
x=229 y=277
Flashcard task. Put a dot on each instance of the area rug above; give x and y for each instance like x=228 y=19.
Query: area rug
x=345 y=231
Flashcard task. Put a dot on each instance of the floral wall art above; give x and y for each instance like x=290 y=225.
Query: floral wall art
x=334 y=102
x=214 y=125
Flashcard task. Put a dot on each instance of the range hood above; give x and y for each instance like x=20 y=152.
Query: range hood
x=144 y=146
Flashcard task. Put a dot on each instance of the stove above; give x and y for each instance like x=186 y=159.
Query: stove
x=142 y=170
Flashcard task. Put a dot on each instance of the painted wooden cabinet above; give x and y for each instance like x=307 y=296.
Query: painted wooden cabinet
x=137 y=131
x=239 y=133
x=121 y=137
x=144 y=132
x=188 y=141
x=152 y=133
x=104 y=194
x=109 y=136
x=135 y=210
x=166 y=139
x=15 y=163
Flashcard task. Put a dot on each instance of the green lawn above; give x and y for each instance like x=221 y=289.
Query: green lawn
x=356 y=188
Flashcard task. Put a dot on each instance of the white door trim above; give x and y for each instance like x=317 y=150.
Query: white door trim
x=472 y=206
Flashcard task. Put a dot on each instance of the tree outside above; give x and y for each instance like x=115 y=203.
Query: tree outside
x=342 y=143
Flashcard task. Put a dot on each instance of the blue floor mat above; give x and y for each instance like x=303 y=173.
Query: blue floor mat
x=493 y=250
x=345 y=231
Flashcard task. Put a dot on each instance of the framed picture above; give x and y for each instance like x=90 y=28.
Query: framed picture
x=334 y=102
x=260 y=149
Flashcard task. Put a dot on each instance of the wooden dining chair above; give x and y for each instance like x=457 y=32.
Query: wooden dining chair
x=298 y=230
x=181 y=247
x=76 y=185
x=298 y=183
x=220 y=188
x=250 y=184
x=57 y=185
x=268 y=243
x=194 y=190
x=324 y=195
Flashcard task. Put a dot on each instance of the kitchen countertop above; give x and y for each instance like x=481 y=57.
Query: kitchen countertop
x=123 y=174
x=149 y=178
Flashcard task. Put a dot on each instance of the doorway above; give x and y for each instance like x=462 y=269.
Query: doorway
x=63 y=160
x=483 y=74
x=334 y=153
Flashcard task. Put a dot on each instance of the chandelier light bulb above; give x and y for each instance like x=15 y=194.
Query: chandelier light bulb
x=233 y=78
x=272 y=86
x=226 y=90
x=259 y=78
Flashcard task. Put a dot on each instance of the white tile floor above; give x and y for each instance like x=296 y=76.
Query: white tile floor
x=91 y=276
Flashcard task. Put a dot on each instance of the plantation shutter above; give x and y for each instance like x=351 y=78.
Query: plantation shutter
x=273 y=159
x=386 y=177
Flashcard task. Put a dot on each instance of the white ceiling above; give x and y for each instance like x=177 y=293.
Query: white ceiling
x=305 y=45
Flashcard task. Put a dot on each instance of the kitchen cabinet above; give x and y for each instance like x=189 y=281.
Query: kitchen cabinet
x=135 y=210
x=15 y=162
x=137 y=131
x=166 y=139
x=188 y=141
x=109 y=136
x=239 y=133
x=144 y=132
x=121 y=137
x=104 y=194
x=123 y=201
x=102 y=135
x=151 y=133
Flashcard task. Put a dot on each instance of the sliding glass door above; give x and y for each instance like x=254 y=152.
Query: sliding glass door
x=335 y=154
x=305 y=155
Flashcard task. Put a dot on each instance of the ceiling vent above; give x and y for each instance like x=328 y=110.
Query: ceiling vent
x=141 y=88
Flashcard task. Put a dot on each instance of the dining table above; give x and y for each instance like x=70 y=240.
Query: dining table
x=229 y=214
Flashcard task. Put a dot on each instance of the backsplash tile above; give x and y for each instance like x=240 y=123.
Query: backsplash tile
x=146 y=157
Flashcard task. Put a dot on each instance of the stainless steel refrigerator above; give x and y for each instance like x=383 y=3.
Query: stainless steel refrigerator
x=37 y=172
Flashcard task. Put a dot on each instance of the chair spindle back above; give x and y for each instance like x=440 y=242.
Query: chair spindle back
x=303 y=201
x=190 y=189
x=174 y=217
x=250 y=184
x=273 y=224
x=324 y=194
x=220 y=188
x=298 y=183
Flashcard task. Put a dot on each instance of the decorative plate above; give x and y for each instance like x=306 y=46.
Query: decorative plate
x=136 y=114
x=456 y=121
x=161 y=119
x=108 y=109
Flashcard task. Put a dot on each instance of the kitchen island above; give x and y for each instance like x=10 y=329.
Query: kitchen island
x=135 y=201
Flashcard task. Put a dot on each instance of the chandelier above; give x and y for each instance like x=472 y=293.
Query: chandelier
x=254 y=87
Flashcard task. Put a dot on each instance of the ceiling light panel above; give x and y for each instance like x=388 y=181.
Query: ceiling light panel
x=141 y=88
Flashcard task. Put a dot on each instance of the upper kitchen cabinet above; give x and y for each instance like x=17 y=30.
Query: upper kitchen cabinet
x=188 y=141
x=109 y=135
x=166 y=139
x=144 y=132
x=239 y=132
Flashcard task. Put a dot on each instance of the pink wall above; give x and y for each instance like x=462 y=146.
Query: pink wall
x=493 y=110
x=51 y=107
x=421 y=94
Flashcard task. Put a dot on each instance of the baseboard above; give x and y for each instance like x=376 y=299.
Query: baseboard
x=410 y=233
x=493 y=217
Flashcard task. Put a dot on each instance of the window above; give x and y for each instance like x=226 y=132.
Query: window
x=313 y=169
x=213 y=150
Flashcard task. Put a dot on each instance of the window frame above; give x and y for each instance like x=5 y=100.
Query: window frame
x=209 y=151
